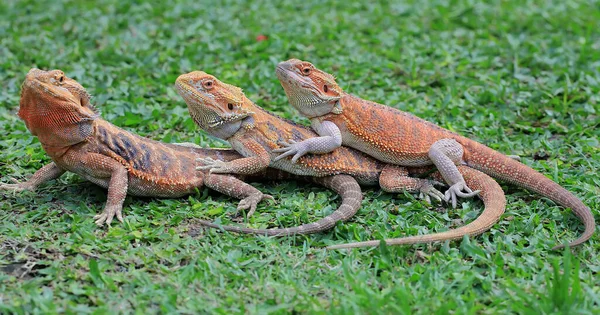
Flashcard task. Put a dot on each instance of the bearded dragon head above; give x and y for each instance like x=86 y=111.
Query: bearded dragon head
x=311 y=91
x=56 y=108
x=212 y=103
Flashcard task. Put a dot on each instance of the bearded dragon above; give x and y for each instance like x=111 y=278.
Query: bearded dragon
x=58 y=111
x=399 y=138
x=224 y=111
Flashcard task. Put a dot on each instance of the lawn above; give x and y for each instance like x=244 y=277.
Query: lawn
x=522 y=77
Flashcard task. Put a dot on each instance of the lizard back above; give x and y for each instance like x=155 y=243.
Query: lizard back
x=155 y=168
x=371 y=127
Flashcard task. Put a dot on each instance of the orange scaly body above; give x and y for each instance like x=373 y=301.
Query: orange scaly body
x=224 y=111
x=56 y=109
x=400 y=138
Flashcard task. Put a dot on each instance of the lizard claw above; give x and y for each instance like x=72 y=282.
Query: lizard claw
x=456 y=191
x=425 y=197
x=297 y=149
x=285 y=144
x=428 y=190
x=213 y=166
x=108 y=214
x=436 y=183
x=252 y=201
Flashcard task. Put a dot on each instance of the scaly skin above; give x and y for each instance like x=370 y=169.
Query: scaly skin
x=396 y=137
x=224 y=111
x=57 y=110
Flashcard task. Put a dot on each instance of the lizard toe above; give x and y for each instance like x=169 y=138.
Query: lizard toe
x=14 y=187
x=425 y=197
x=100 y=219
x=120 y=216
x=297 y=156
x=437 y=183
x=468 y=195
x=252 y=210
x=109 y=218
x=450 y=196
x=436 y=195
x=243 y=205
x=286 y=153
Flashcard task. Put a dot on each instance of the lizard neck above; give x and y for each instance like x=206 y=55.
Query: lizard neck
x=55 y=152
x=226 y=130
x=57 y=140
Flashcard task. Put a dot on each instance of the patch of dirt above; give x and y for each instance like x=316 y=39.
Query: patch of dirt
x=23 y=269
x=540 y=155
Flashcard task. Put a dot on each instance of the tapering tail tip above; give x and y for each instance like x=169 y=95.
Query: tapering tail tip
x=354 y=245
x=590 y=228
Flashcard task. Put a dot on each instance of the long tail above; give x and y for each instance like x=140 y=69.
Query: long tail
x=493 y=199
x=502 y=167
x=346 y=186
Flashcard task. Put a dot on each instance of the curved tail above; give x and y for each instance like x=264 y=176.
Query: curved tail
x=502 y=167
x=345 y=185
x=493 y=199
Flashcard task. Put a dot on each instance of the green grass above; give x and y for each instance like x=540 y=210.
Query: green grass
x=522 y=77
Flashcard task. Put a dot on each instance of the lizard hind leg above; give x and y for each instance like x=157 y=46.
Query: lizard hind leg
x=395 y=179
x=446 y=154
x=234 y=187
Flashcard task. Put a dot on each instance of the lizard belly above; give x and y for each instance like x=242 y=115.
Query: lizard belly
x=145 y=188
x=141 y=187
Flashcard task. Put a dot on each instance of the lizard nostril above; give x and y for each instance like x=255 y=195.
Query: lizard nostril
x=230 y=106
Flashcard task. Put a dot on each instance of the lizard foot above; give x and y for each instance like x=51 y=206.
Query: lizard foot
x=456 y=191
x=428 y=190
x=108 y=214
x=214 y=166
x=297 y=149
x=252 y=201
x=16 y=187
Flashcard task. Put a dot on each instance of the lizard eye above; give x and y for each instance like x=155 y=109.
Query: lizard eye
x=325 y=88
x=230 y=106
x=306 y=70
x=61 y=79
x=208 y=84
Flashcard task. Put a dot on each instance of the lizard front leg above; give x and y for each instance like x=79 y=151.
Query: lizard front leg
x=103 y=167
x=329 y=140
x=257 y=159
x=395 y=179
x=445 y=154
x=236 y=188
x=48 y=172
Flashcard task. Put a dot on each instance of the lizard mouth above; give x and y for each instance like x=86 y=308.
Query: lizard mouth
x=230 y=118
